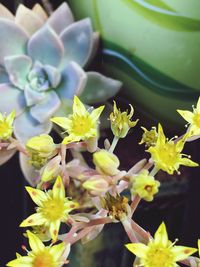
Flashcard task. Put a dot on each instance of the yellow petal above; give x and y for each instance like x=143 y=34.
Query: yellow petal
x=187 y=115
x=32 y=220
x=78 y=107
x=199 y=246
x=95 y=114
x=37 y=195
x=57 y=251
x=58 y=188
x=54 y=229
x=34 y=242
x=138 y=249
x=188 y=162
x=161 y=236
x=21 y=262
x=61 y=121
x=182 y=252
x=161 y=136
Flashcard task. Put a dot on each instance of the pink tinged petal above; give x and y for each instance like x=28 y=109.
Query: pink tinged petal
x=32 y=220
x=46 y=108
x=37 y=9
x=5 y=155
x=61 y=18
x=46 y=47
x=38 y=196
x=92 y=234
x=78 y=42
x=35 y=243
x=18 y=68
x=187 y=115
x=57 y=251
x=11 y=98
x=182 y=252
x=54 y=229
x=21 y=262
x=138 y=249
x=5 y=13
x=32 y=96
x=73 y=81
x=161 y=236
x=99 y=88
x=28 y=19
x=25 y=127
x=13 y=39
x=66 y=252
x=58 y=189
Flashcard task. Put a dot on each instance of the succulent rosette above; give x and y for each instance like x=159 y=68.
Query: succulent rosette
x=41 y=61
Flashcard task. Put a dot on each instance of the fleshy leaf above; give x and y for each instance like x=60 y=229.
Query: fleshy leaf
x=46 y=47
x=73 y=81
x=25 y=127
x=5 y=13
x=37 y=8
x=99 y=88
x=78 y=42
x=54 y=75
x=5 y=155
x=95 y=46
x=18 y=68
x=28 y=19
x=13 y=39
x=29 y=172
x=3 y=76
x=46 y=108
x=11 y=98
x=61 y=18
x=32 y=96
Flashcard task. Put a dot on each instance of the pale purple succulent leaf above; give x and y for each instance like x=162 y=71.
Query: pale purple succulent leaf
x=53 y=74
x=99 y=88
x=32 y=96
x=13 y=39
x=18 y=68
x=73 y=81
x=31 y=175
x=25 y=127
x=28 y=19
x=5 y=13
x=95 y=46
x=3 y=76
x=46 y=108
x=11 y=98
x=46 y=47
x=5 y=155
x=61 y=18
x=78 y=42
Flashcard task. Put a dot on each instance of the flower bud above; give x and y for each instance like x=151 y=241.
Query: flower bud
x=6 y=125
x=97 y=185
x=121 y=121
x=105 y=162
x=149 y=138
x=51 y=170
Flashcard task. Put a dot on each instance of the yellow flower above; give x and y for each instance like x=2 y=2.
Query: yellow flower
x=145 y=185
x=121 y=121
x=193 y=119
x=40 y=255
x=167 y=155
x=81 y=125
x=53 y=208
x=40 y=149
x=6 y=125
x=106 y=162
x=149 y=138
x=160 y=252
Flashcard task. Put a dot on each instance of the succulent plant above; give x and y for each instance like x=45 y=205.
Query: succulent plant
x=41 y=60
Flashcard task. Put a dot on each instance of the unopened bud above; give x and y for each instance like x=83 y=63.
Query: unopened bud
x=96 y=185
x=52 y=169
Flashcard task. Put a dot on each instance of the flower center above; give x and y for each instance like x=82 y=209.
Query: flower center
x=168 y=154
x=44 y=259
x=159 y=256
x=53 y=209
x=196 y=119
x=81 y=125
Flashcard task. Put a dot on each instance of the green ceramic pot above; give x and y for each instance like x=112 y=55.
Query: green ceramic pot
x=153 y=46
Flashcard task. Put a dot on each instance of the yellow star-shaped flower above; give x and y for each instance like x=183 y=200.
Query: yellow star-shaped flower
x=193 y=118
x=167 y=155
x=81 y=125
x=53 y=208
x=41 y=256
x=160 y=251
x=6 y=125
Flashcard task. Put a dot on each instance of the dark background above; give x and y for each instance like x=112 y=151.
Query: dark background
x=180 y=212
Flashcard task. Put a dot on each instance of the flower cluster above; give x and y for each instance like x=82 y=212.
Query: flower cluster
x=86 y=196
